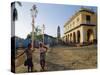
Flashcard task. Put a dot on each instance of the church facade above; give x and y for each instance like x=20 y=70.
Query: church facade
x=81 y=27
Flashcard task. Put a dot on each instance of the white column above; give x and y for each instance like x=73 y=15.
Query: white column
x=94 y=33
x=83 y=35
x=76 y=36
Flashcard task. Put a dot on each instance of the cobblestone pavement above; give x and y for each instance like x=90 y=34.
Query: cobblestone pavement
x=65 y=58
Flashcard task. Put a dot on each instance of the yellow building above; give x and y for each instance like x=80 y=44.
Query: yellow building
x=81 y=27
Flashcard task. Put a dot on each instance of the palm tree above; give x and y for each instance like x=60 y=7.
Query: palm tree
x=34 y=14
x=14 y=10
x=37 y=30
x=29 y=36
x=14 y=16
x=34 y=11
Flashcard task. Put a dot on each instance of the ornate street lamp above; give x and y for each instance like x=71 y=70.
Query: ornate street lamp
x=33 y=14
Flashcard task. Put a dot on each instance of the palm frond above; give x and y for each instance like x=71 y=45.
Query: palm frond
x=34 y=10
x=12 y=4
x=19 y=3
x=15 y=14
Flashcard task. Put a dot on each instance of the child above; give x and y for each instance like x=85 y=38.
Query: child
x=43 y=50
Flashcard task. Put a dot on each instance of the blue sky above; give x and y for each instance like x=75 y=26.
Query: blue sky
x=51 y=15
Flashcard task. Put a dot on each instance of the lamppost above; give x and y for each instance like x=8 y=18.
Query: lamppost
x=33 y=14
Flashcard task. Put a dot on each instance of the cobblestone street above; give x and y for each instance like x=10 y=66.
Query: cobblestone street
x=65 y=58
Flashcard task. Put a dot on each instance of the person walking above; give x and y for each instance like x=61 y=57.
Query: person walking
x=28 y=62
x=43 y=50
